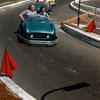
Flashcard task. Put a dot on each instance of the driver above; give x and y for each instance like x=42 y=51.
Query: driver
x=30 y=12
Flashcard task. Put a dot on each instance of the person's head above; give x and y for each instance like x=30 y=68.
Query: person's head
x=38 y=1
x=31 y=7
x=45 y=0
x=42 y=9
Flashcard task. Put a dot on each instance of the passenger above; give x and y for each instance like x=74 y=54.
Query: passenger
x=46 y=2
x=43 y=12
x=30 y=12
x=37 y=2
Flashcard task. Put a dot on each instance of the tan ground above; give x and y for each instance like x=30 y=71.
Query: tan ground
x=5 y=94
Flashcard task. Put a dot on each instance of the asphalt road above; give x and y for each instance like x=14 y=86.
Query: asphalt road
x=48 y=73
x=95 y=3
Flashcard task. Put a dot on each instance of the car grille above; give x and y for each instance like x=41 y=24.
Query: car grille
x=40 y=36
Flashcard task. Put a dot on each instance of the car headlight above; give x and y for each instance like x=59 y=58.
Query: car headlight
x=48 y=36
x=31 y=36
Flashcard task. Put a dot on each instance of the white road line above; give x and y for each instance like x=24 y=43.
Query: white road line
x=15 y=4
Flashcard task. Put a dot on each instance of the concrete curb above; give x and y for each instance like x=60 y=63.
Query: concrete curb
x=90 y=8
x=90 y=38
x=16 y=89
x=75 y=8
x=14 y=4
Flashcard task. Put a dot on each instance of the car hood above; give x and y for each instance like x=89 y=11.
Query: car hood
x=38 y=25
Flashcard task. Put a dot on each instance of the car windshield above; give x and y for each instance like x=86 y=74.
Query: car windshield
x=36 y=18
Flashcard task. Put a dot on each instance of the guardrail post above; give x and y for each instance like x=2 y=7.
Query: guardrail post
x=78 y=20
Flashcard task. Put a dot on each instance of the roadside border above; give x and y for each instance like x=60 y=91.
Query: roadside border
x=14 y=4
x=14 y=88
x=90 y=8
x=75 y=8
x=90 y=38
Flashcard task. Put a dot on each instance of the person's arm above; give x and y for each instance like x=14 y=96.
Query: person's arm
x=21 y=16
x=47 y=16
x=36 y=14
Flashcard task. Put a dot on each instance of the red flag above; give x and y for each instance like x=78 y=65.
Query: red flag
x=8 y=64
x=91 y=26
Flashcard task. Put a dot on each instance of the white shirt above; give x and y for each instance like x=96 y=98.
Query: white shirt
x=29 y=13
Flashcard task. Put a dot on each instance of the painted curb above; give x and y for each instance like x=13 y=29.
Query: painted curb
x=16 y=89
x=14 y=4
x=82 y=35
x=75 y=8
x=90 y=8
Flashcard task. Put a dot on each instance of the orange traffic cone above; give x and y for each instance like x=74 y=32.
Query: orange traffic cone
x=8 y=64
x=91 y=26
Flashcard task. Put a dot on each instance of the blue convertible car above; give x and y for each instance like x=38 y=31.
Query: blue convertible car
x=47 y=6
x=38 y=6
x=36 y=30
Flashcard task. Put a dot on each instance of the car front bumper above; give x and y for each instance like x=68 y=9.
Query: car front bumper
x=39 y=42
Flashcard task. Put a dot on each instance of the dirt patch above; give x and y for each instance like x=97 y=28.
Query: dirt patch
x=5 y=94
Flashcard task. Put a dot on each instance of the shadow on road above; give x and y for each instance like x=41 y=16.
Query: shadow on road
x=67 y=89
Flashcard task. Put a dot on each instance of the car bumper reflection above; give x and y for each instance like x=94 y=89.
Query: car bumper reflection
x=39 y=42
